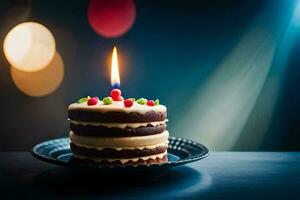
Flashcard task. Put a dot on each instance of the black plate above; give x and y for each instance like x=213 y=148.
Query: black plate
x=180 y=151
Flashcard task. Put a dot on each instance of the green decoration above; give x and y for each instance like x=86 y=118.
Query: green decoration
x=107 y=100
x=84 y=99
x=142 y=101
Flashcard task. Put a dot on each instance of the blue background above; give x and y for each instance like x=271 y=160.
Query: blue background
x=172 y=51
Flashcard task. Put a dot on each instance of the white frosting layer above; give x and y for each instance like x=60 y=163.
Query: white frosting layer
x=118 y=106
x=123 y=160
x=118 y=125
x=120 y=142
x=165 y=144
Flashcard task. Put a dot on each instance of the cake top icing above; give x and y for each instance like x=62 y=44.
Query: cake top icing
x=117 y=106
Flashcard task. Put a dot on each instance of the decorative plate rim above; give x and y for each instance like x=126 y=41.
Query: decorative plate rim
x=203 y=154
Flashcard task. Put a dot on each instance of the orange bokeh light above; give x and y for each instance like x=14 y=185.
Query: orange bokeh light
x=40 y=83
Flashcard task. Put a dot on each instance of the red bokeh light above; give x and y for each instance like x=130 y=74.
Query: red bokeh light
x=111 y=18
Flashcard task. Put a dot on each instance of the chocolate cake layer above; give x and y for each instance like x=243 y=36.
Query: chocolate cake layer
x=113 y=153
x=115 y=117
x=119 y=163
x=89 y=130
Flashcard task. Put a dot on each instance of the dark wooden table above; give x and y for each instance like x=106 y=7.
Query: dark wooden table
x=222 y=175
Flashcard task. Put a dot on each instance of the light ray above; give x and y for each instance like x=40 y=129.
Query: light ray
x=228 y=97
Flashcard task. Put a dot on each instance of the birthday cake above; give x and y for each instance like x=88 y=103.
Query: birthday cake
x=114 y=131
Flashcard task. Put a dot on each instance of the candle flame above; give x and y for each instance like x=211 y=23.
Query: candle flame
x=114 y=75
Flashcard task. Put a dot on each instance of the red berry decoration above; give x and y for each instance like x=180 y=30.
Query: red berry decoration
x=128 y=103
x=150 y=103
x=115 y=94
x=92 y=101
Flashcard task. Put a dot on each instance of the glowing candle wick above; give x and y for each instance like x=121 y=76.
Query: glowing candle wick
x=116 y=86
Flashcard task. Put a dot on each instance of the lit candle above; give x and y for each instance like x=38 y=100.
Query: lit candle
x=116 y=93
x=114 y=75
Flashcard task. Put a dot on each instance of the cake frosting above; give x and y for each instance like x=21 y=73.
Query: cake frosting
x=107 y=142
x=119 y=125
x=123 y=160
x=116 y=133
x=117 y=106
x=165 y=144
